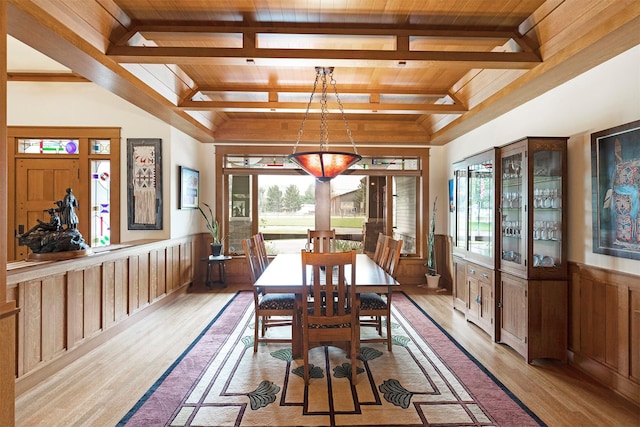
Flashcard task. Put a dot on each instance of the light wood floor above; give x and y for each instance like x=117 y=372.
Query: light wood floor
x=100 y=388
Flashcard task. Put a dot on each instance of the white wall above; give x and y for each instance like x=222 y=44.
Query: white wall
x=604 y=97
x=186 y=151
x=86 y=104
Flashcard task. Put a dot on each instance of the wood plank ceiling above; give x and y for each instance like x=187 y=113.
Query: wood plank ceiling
x=411 y=73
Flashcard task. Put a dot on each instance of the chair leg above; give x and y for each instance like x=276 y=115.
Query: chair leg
x=255 y=332
x=354 y=359
x=305 y=362
x=389 y=343
x=264 y=324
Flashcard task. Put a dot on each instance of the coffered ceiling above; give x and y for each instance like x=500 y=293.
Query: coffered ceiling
x=410 y=73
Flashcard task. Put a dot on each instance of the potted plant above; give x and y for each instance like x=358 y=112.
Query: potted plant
x=433 y=278
x=214 y=229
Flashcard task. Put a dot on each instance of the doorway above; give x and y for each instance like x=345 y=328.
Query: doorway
x=39 y=184
x=44 y=161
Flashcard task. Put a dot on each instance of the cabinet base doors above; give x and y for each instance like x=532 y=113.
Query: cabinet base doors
x=533 y=317
x=513 y=313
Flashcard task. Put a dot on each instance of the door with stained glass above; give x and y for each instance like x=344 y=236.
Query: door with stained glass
x=40 y=183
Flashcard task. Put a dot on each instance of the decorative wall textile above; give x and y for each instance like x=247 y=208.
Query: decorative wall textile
x=144 y=184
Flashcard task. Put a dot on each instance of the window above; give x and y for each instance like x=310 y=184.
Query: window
x=100 y=196
x=48 y=146
x=404 y=211
x=266 y=194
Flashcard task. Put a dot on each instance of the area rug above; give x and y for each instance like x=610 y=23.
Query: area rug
x=428 y=379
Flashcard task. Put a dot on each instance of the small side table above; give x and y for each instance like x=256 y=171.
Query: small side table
x=222 y=270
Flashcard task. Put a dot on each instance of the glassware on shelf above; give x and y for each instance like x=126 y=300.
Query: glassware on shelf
x=517 y=165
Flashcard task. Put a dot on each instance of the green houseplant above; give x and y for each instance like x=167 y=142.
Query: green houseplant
x=432 y=275
x=214 y=229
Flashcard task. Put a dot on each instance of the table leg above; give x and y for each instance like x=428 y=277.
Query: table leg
x=208 y=281
x=222 y=274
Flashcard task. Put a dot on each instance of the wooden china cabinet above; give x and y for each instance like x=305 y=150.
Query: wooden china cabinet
x=532 y=298
x=474 y=240
x=510 y=246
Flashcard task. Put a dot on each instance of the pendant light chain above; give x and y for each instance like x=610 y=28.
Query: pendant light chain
x=324 y=120
x=306 y=113
x=344 y=118
x=324 y=164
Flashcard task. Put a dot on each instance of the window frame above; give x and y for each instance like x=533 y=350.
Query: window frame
x=422 y=173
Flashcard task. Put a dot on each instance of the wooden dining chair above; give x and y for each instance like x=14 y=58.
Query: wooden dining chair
x=375 y=306
x=322 y=240
x=270 y=309
x=331 y=314
x=391 y=256
x=380 y=245
x=263 y=258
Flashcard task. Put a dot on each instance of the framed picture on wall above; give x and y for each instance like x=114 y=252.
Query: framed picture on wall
x=189 y=188
x=615 y=181
x=144 y=184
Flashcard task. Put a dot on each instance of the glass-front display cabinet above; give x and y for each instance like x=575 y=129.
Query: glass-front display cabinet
x=474 y=184
x=531 y=292
x=532 y=208
x=475 y=239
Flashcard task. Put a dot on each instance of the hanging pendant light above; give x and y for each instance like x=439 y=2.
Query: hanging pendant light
x=324 y=164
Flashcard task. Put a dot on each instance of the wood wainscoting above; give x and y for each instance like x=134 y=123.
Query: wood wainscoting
x=69 y=307
x=604 y=327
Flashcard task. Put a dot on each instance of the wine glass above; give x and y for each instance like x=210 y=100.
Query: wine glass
x=516 y=167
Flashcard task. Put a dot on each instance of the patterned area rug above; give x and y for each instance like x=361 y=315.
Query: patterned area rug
x=426 y=380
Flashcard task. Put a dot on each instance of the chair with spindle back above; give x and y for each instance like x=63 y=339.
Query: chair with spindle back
x=329 y=319
x=262 y=250
x=373 y=306
x=322 y=240
x=270 y=309
x=380 y=245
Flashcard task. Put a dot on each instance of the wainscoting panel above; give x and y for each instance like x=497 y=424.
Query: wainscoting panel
x=604 y=332
x=69 y=307
x=635 y=335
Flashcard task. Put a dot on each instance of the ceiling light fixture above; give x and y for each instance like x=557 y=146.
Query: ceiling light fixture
x=324 y=164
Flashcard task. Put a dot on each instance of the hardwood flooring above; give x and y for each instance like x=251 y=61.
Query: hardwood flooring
x=99 y=388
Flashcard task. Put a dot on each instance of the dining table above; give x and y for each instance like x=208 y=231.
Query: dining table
x=284 y=275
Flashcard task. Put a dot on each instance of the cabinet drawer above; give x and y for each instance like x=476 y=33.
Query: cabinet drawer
x=482 y=274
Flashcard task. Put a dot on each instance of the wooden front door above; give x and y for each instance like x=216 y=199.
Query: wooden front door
x=39 y=184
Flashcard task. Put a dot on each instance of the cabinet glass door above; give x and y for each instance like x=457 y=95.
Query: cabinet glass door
x=461 y=194
x=512 y=208
x=547 y=209
x=480 y=209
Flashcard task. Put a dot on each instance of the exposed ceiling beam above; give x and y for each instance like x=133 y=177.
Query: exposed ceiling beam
x=46 y=77
x=319 y=57
x=354 y=89
x=343 y=28
x=349 y=107
x=401 y=33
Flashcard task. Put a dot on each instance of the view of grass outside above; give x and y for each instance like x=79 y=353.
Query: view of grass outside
x=286 y=208
x=290 y=224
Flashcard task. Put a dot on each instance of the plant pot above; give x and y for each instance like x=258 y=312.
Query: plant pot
x=216 y=249
x=432 y=281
